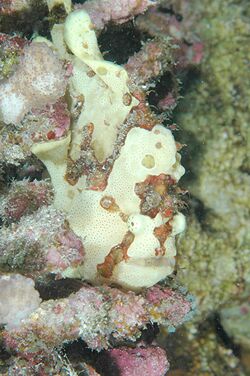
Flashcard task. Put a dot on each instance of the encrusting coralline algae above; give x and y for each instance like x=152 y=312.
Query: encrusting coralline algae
x=101 y=216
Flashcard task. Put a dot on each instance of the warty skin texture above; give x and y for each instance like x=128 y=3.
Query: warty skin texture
x=138 y=264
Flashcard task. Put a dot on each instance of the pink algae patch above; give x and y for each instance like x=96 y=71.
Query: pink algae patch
x=149 y=361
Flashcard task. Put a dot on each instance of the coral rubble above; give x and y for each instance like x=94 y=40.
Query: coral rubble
x=214 y=256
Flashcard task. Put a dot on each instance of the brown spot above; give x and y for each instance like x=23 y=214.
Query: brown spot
x=80 y=99
x=160 y=251
x=102 y=71
x=127 y=99
x=70 y=194
x=148 y=161
x=108 y=203
x=78 y=106
x=124 y=217
x=71 y=179
x=97 y=182
x=51 y=135
x=158 y=145
x=117 y=254
x=91 y=73
x=161 y=233
x=85 y=45
x=179 y=146
x=90 y=128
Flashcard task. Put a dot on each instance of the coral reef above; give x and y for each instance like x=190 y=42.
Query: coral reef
x=128 y=361
x=10 y=6
x=106 y=206
x=44 y=236
x=118 y=11
x=11 y=48
x=37 y=81
x=96 y=314
x=235 y=321
x=24 y=197
x=18 y=299
x=100 y=316
x=200 y=351
x=91 y=209
x=214 y=255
